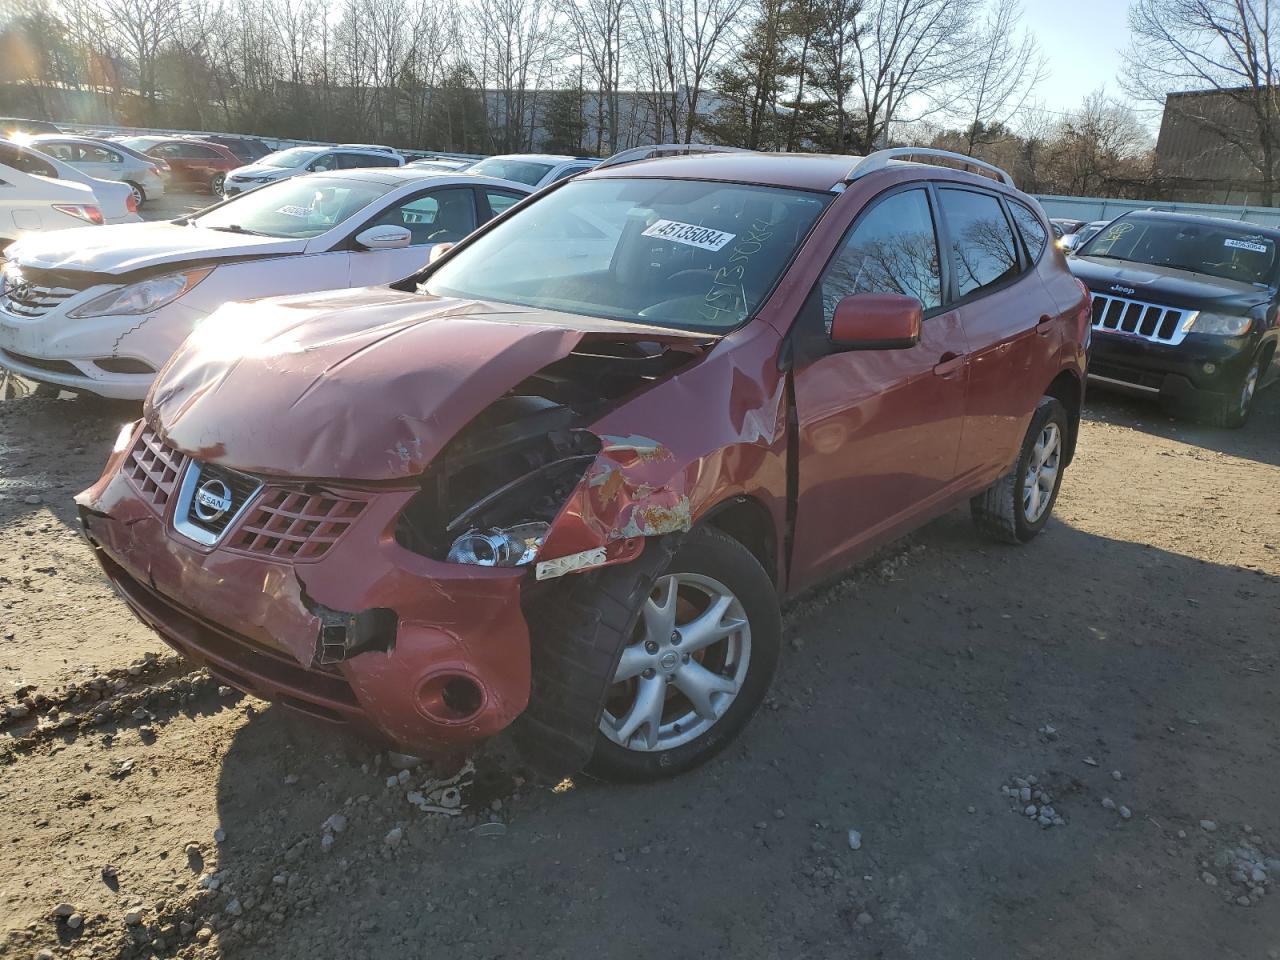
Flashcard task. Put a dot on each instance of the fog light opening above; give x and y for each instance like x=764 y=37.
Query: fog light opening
x=450 y=697
x=1210 y=367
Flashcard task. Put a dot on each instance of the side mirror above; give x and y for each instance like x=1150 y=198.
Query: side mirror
x=877 y=321
x=439 y=250
x=384 y=237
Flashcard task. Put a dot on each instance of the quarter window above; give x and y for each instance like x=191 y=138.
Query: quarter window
x=982 y=245
x=893 y=249
x=1029 y=226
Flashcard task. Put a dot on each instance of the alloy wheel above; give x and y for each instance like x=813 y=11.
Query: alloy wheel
x=1042 y=473
x=684 y=667
x=1248 y=389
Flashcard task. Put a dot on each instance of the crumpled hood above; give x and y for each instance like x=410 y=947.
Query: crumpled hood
x=124 y=248
x=364 y=385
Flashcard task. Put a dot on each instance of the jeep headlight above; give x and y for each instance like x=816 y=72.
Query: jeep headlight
x=1217 y=324
x=513 y=546
x=142 y=297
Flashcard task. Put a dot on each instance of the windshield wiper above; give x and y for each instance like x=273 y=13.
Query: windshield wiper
x=236 y=228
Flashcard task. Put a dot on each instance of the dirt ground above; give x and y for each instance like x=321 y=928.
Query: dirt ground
x=1137 y=635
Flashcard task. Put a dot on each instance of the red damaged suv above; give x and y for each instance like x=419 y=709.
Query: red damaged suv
x=563 y=476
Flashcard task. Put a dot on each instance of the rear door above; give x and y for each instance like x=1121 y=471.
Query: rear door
x=878 y=430
x=1002 y=307
x=100 y=162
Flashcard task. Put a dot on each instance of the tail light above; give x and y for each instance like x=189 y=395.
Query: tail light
x=131 y=203
x=83 y=211
x=159 y=170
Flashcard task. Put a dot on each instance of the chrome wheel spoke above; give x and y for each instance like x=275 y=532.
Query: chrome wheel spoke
x=700 y=685
x=635 y=660
x=645 y=712
x=660 y=612
x=709 y=626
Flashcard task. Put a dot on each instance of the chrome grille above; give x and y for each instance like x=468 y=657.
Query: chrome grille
x=296 y=525
x=153 y=467
x=33 y=299
x=1135 y=318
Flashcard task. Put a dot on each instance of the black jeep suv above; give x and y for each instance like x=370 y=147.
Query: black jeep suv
x=1184 y=307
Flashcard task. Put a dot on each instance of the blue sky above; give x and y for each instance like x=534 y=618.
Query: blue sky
x=1083 y=41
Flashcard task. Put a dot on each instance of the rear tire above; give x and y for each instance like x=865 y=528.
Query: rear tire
x=216 y=184
x=139 y=194
x=1017 y=506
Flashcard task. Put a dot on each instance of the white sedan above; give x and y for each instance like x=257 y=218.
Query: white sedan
x=105 y=161
x=115 y=201
x=100 y=311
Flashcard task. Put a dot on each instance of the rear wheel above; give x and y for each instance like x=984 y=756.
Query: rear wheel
x=139 y=195
x=215 y=185
x=1017 y=506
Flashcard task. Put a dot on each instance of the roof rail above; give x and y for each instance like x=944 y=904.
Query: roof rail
x=663 y=149
x=881 y=159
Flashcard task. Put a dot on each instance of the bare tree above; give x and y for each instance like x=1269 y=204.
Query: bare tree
x=143 y=28
x=1228 y=47
x=598 y=29
x=1006 y=68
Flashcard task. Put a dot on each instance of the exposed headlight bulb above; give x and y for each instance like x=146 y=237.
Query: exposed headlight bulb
x=512 y=546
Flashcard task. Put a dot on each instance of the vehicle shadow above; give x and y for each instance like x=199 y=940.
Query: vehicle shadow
x=1257 y=440
x=906 y=698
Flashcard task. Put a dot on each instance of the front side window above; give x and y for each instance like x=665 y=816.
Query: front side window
x=982 y=247
x=439 y=217
x=63 y=151
x=324 y=163
x=1029 y=226
x=892 y=249
x=675 y=253
x=500 y=200
x=518 y=171
x=1228 y=251
x=299 y=208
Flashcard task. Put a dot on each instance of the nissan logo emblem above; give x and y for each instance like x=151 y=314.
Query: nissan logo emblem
x=213 y=499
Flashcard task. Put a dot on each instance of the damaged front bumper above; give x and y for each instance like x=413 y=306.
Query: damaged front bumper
x=418 y=652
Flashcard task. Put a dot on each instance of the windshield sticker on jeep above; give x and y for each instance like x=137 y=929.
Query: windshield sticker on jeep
x=293 y=210
x=690 y=234
x=1246 y=245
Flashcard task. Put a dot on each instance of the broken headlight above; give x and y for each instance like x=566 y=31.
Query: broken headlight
x=512 y=546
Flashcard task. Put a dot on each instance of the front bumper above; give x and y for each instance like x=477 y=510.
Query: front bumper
x=256 y=623
x=99 y=355
x=1198 y=370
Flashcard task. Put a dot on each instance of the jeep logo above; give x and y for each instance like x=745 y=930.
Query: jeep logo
x=1117 y=288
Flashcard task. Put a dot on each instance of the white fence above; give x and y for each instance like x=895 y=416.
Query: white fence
x=1099 y=208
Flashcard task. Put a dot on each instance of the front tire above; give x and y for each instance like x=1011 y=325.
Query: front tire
x=216 y=184
x=1233 y=410
x=1017 y=506
x=695 y=664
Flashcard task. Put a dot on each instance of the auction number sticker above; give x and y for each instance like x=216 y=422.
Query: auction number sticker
x=293 y=210
x=1245 y=245
x=690 y=234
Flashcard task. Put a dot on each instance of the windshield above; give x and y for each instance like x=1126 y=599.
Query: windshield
x=293 y=157
x=521 y=171
x=1220 y=250
x=299 y=208
x=674 y=253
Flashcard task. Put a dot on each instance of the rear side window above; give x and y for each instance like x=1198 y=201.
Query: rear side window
x=26 y=161
x=892 y=249
x=1029 y=226
x=982 y=246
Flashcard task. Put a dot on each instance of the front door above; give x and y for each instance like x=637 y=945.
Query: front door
x=442 y=215
x=878 y=430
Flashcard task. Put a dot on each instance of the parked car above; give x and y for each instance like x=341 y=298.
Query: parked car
x=1073 y=241
x=246 y=149
x=115 y=201
x=1184 y=309
x=100 y=311
x=144 y=176
x=577 y=498
x=535 y=169
x=193 y=164
x=442 y=163
x=33 y=202
x=14 y=125
x=297 y=161
x=1064 y=226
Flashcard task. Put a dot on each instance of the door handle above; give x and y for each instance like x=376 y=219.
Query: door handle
x=948 y=364
x=1045 y=326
